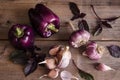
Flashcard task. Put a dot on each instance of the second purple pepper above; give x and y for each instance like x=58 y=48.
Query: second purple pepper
x=44 y=21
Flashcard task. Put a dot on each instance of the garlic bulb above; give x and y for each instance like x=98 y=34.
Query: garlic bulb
x=94 y=51
x=79 y=38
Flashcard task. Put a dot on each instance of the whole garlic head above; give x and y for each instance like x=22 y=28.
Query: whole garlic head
x=94 y=51
x=79 y=38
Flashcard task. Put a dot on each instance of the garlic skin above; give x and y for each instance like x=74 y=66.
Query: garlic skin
x=65 y=59
x=94 y=51
x=103 y=67
x=79 y=38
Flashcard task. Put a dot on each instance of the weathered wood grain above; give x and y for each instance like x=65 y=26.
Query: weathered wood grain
x=8 y=12
x=81 y=2
x=8 y=70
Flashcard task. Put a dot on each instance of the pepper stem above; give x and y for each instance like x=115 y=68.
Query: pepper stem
x=19 y=32
x=52 y=27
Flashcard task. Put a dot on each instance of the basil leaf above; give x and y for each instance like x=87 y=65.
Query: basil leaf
x=19 y=57
x=98 y=30
x=30 y=67
x=85 y=75
x=82 y=15
x=114 y=51
x=75 y=10
x=106 y=24
x=83 y=25
x=112 y=18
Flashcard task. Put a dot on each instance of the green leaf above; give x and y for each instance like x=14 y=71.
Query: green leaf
x=85 y=75
x=18 y=57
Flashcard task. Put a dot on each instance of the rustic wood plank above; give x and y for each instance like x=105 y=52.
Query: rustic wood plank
x=8 y=70
x=8 y=12
x=80 y=2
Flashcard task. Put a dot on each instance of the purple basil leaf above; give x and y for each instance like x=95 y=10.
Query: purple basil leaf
x=112 y=18
x=83 y=25
x=40 y=57
x=19 y=57
x=30 y=67
x=114 y=51
x=82 y=15
x=98 y=30
x=37 y=48
x=74 y=9
x=75 y=17
x=106 y=24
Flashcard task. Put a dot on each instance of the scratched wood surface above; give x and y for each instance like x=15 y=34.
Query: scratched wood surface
x=15 y=11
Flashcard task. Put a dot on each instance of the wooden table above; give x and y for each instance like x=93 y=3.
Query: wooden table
x=15 y=11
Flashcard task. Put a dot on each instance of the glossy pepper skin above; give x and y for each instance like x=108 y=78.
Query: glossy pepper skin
x=43 y=20
x=21 y=36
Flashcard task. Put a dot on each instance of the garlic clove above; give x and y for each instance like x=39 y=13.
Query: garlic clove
x=52 y=74
x=50 y=63
x=65 y=75
x=65 y=60
x=53 y=51
x=103 y=67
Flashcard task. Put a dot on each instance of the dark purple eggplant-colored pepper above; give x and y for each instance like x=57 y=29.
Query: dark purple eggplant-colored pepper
x=43 y=20
x=21 y=36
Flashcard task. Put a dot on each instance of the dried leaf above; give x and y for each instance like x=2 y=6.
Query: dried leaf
x=106 y=24
x=112 y=18
x=82 y=15
x=30 y=67
x=98 y=30
x=19 y=57
x=114 y=51
x=83 y=25
x=83 y=74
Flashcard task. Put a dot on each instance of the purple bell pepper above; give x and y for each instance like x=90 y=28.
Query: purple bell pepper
x=43 y=20
x=21 y=36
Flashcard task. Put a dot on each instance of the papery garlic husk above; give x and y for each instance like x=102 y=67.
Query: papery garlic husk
x=52 y=74
x=79 y=38
x=65 y=56
x=65 y=75
x=103 y=67
x=50 y=63
x=94 y=51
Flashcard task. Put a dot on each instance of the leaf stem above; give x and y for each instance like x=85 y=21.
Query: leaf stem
x=95 y=12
